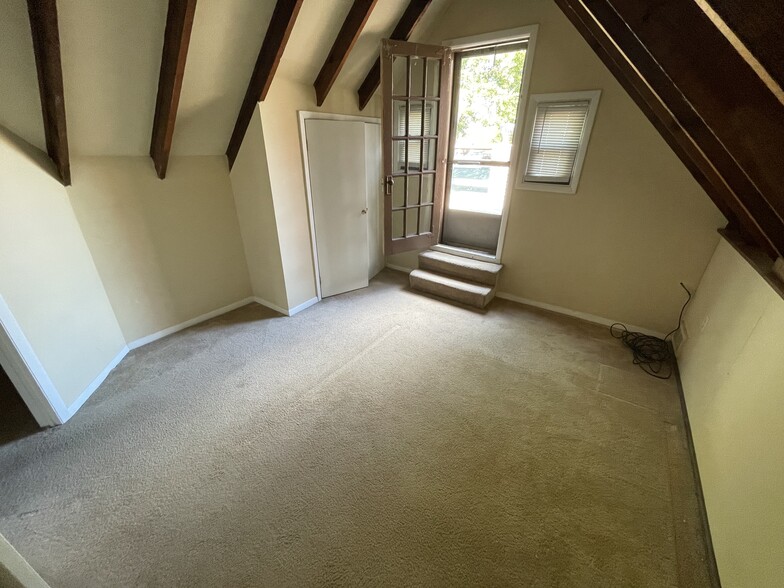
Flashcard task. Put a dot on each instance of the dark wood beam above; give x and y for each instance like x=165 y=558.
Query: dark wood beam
x=676 y=117
x=46 y=46
x=282 y=22
x=349 y=33
x=179 y=23
x=401 y=32
x=723 y=89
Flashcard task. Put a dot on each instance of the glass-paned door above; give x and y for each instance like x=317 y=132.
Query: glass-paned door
x=416 y=83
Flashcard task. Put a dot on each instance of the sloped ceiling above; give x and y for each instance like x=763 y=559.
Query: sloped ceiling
x=111 y=53
x=20 y=106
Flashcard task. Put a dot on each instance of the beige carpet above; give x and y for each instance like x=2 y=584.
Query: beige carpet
x=379 y=438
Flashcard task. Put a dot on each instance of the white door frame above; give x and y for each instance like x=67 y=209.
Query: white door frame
x=27 y=374
x=303 y=116
x=526 y=33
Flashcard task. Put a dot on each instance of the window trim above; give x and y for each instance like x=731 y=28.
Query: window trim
x=592 y=96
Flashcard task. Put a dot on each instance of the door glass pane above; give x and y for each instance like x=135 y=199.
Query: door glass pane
x=397 y=224
x=428 y=186
x=413 y=190
x=414 y=155
x=415 y=118
x=431 y=118
x=399 y=118
x=399 y=192
x=433 y=77
x=425 y=218
x=398 y=156
x=399 y=76
x=478 y=188
x=412 y=221
x=430 y=154
x=417 y=76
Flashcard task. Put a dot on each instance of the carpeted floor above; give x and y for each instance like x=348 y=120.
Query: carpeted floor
x=379 y=438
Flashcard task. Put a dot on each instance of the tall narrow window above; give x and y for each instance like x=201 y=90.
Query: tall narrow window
x=556 y=140
x=488 y=84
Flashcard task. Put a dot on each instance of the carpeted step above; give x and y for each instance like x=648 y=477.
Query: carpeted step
x=472 y=270
x=468 y=293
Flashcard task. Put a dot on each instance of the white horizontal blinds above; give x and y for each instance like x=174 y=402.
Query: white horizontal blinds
x=558 y=130
x=415 y=129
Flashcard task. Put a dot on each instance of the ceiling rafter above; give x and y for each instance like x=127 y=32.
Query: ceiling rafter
x=355 y=21
x=179 y=22
x=46 y=46
x=402 y=31
x=282 y=22
x=680 y=119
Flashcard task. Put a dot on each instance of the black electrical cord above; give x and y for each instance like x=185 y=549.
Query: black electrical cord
x=651 y=353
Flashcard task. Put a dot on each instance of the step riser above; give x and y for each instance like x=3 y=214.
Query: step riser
x=465 y=273
x=468 y=298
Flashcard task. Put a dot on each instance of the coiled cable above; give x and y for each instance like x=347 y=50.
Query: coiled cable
x=651 y=353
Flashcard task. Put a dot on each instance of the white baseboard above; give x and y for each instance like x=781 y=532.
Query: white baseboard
x=27 y=373
x=400 y=268
x=287 y=311
x=82 y=398
x=189 y=323
x=591 y=318
x=39 y=392
x=269 y=304
x=303 y=306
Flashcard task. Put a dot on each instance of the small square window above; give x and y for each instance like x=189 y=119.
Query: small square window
x=555 y=140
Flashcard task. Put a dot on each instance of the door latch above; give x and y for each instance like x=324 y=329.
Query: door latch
x=390 y=181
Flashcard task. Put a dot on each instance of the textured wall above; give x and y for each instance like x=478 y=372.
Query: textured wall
x=253 y=197
x=167 y=250
x=733 y=378
x=47 y=275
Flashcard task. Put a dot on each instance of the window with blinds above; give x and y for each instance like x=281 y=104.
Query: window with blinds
x=555 y=141
x=557 y=130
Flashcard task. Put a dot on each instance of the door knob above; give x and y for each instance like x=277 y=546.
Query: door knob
x=364 y=211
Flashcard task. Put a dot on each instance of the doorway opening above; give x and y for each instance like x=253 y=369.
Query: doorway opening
x=16 y=420
x=488 y=98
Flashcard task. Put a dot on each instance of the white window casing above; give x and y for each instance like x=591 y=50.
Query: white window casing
x=555 y=140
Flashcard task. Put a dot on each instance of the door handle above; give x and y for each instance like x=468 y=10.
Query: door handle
x=364 y=211
x=390 y=181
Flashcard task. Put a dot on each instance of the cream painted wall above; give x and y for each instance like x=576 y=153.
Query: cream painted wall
x=167 y=250
x=638 y=224
x=733 y=380
x=253 y=198
x=280 y=122
x=47 y=275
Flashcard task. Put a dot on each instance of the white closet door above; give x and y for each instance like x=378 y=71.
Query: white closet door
x=336 y=162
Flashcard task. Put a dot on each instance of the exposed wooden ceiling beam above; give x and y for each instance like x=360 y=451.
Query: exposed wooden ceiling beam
x=179 y=23
x=676 y=116
x=46 y=46
x=401 y=32
x=283 y=18
x=348 y=35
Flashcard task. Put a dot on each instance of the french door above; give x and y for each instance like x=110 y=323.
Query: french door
x=416 y=83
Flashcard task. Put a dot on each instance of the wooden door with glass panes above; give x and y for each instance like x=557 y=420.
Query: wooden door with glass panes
x=416 y=82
